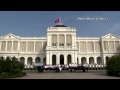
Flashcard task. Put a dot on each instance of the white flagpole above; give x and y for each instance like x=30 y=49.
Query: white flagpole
x=60 y=19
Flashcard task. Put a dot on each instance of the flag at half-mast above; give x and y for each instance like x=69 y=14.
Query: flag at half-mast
x=57 y=20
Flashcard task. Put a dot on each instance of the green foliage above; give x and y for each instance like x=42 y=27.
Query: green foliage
x=113 y=66
x=10 y=66
x=6 y=75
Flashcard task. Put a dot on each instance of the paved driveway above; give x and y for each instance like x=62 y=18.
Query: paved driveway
x=97 y=74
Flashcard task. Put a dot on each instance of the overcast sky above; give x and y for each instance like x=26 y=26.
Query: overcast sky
x=35 y=23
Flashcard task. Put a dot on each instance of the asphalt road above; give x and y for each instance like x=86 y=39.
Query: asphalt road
x=92 y=74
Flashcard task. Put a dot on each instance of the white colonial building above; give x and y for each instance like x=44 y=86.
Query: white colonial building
x=60 y=46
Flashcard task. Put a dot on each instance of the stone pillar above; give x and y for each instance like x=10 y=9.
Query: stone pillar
x=65 y=58
x=87 y=59
x=26 y=46
x=47 y=58
x=73 y=57
x=86 y=47
x=33 y=61
x=12 y=46
x=79 y=58
x=72 y=40
x=58 y=59
x=65 y=39
x=94 y=46
x=108 y=47
x=95 y=60
x=26 y=60
x=50 y=59
x=18 y=48
x=34 y=46
x=104 y=60
x=42 y=46
x=50 y=40
x=6 y=46
x=114 y=46
x=0 y=44
x=57 y=40
x=79 y=47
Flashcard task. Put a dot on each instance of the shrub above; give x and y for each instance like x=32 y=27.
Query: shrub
x=113 y=66
x=11 y=67
x=6 y=75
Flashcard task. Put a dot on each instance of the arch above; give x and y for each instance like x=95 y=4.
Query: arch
x=91 y=60
x=99 y=61
x=68 y=59
x=61 y=59
x=14 y=58
x=1 y=58
x=22 y=60
x=53 y=59
x=106 y=58
x=44 y=60
x=37 y=59
x=8 y=58
x=29 y=60
x=83 y=60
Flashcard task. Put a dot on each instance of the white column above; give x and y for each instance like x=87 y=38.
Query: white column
x=87 y=59
x=12 y=46
x=79 y=47
x=108 y=47
x=34 y=46
x=42 y=46
x=26 y=60
x=79 y=58
x=58 y=58
x=75 y=40
x=102 y=45
x=94 y=46
x=114 y=46
x=95 y=60
x=86 y=46
x=57 y=40
x=33 y=59
x=0 y=44
x=104 y=60
x=65 y=58
x=50 y=59
x=102 y=49
x=72 y=40
x=73 y=57
x=6 y=46
x=26 y=46
x=47 y=58
x=18 y=48
x=119 y=43
x=50 y=39
x=65 y=39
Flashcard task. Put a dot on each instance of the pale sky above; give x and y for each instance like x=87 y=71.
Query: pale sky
x=35 y=23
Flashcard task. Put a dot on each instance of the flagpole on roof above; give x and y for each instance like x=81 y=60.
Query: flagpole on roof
x=60 y=19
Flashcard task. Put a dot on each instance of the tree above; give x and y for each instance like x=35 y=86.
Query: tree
x=113 y=66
